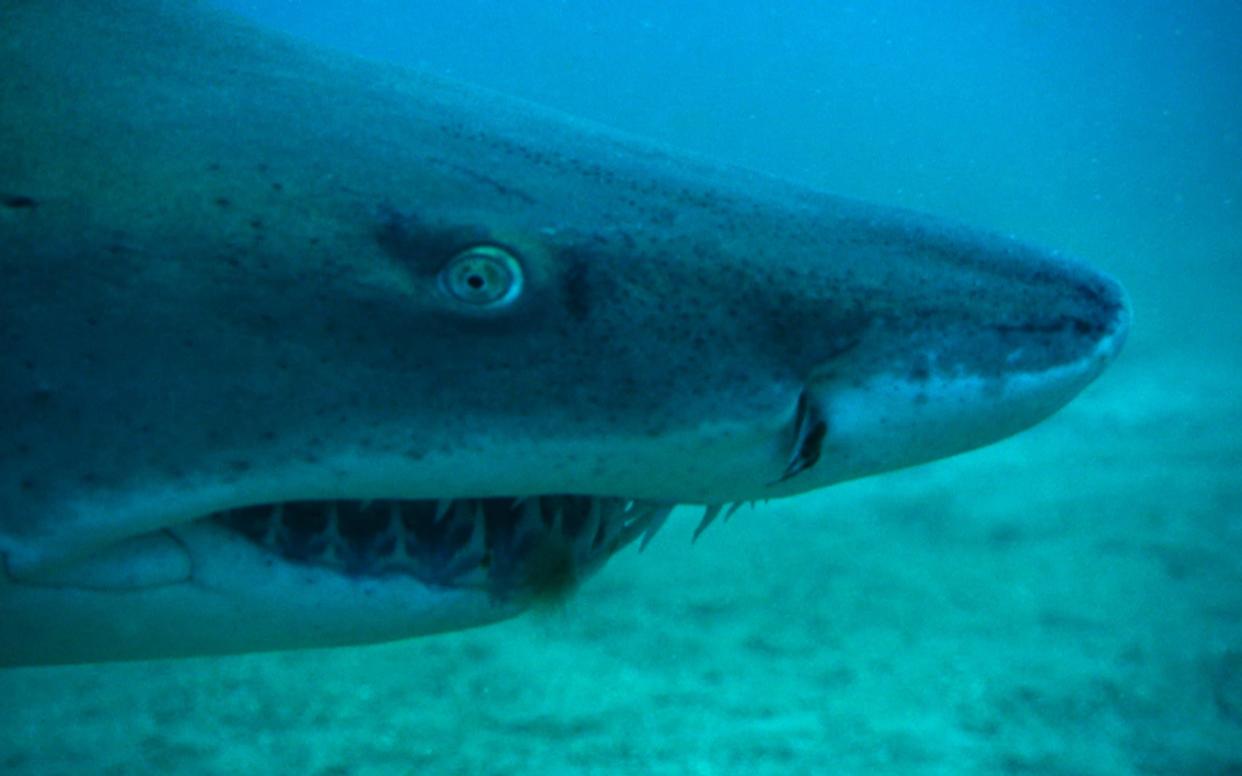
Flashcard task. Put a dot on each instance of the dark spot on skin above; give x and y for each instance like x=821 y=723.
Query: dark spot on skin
x=256 y=223
x=421 y=246
x=19 y=202
x=223 y=202
x=278 y=186
x=239 y=466
x=213 y=167
x=1083 y=327
x=27 y=484
x=577 y=290
x=920 y=372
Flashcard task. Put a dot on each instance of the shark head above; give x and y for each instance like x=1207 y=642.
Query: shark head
x=305 y=351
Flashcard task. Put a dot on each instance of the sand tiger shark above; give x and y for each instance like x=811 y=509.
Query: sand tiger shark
x=303 y=350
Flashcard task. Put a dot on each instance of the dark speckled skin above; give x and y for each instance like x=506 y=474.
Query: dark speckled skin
x=218 y=255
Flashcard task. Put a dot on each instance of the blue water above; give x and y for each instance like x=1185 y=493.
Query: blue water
x=1068 y=602
x=1012 y=114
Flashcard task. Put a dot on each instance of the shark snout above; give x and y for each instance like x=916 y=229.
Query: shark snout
x=1075 y=325
x=1116 y=310
x=940 y=374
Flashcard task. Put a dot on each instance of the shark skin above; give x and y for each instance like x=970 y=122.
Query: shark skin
x=301 y=350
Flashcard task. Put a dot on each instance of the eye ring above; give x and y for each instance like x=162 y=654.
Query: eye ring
x=483 y=276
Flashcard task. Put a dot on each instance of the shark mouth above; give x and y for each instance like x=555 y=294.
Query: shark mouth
x=537 y=545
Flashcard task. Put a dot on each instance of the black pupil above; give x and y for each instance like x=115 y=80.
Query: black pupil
x=475 y=281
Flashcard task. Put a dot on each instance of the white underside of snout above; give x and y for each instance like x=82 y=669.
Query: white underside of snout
x=891 y=421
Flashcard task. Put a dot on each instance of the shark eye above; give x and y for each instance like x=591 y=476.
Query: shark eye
x=485 y=276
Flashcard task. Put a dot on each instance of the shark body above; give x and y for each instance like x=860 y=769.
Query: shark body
x=301 y=350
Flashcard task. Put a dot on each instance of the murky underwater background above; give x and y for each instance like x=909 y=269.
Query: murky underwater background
x=1067 y=602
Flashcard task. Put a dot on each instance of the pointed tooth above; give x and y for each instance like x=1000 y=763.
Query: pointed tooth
x=478 y=536
x=591 y=527
x=333 y=516
x=274 y=525
x=558 y=515
x=394 y=520
x=612 y=522
x=735 y=506
x=654 y=524
x=463 y=560
x=531 y=520
x=462 y=510
x=333 y=544
x=709 y=516
x=398 y=558
x=613 y=517
x=442 y=508
x=397 y=528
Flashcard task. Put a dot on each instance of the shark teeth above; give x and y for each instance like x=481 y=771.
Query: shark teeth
x=710 y=513
x=658 y=518
x=442 y=508
x=490 y=543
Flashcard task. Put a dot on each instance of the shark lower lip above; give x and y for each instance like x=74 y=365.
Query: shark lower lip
x=508 y=547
